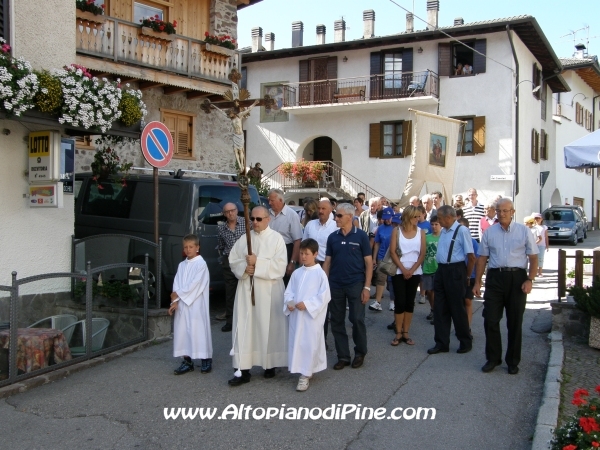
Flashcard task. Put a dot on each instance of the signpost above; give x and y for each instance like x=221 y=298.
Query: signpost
x=157 y=148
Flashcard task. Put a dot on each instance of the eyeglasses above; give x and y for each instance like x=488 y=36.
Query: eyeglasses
x=257 y=219
x=504 y=211
x=229 y=211
x=339 y=216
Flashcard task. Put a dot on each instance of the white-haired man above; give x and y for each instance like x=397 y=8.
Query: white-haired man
x=428 y=205
x=368 y=219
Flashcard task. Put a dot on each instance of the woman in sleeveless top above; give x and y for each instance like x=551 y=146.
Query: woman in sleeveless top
x=411 y=241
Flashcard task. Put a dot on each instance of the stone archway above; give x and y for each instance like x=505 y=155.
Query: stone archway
x=556 y=198
x=320 y=148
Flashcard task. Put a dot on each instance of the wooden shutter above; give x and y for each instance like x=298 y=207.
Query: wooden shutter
x=479 y=134
x=543 y=145
x=181 y=129
x=304 y=75
x=375 y=140
x=544 y=90
x=375 y=70
x=407 y=60
x=407 y=138
x=444 y=60
x=537 y=147
x=332 y=75
x=4 y=24
x=171 y=122
x=479 y=61
x=532 y=144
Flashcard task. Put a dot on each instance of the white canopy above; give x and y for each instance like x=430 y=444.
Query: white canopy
x=584 y=152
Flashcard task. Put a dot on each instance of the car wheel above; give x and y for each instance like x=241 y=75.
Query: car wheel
x=584 y=233
x=573 y=239
x=582 y=237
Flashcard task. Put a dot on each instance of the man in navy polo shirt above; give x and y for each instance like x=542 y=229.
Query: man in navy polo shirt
x=349 y=266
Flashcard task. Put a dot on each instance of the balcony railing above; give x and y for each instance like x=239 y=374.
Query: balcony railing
x=126 y=42
x=361 y=89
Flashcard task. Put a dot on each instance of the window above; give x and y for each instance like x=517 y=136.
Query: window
x=543 y=145
x=578 y=114
x=390 y=139
x=108 y=199
x=84 y=142
x=544 y=94
x=455 y=59
x=535 y=146
x=143 y=10
x=392 y=70
x=390 y=65
x=471 y=138
x=212 y=198
x=4 y=20
x=536 y=77
x=181 y=126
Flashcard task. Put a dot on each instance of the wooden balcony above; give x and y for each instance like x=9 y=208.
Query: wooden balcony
x=361 y=93
x=114 y=46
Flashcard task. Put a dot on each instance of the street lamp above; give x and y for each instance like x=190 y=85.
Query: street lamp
x=573 y=99
x=533 y=91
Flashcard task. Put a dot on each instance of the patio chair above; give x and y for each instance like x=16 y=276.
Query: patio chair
x=59 y=322
x=415 y=86
x=328 y=180
x=99 y=328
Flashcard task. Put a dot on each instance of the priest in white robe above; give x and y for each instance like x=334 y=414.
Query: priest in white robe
x=306 y=299
x=260 y=332
x=192 y=337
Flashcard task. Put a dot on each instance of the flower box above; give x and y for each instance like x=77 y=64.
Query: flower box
x=216 y=49
x=90 y=17
x=161 y=36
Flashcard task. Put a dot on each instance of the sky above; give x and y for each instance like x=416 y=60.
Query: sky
x=556 y=18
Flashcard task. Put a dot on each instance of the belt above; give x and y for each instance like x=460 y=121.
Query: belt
x=451 y=264
x=505 y=269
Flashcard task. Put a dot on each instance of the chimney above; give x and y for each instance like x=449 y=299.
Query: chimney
x=339 y=30
x=580 y=51
x=433 y=9
x=369 y=23
x=320 y=34
x=270 y=41
x=459 y=21
x=297 y=34
x=410 y=22
x=257 y=34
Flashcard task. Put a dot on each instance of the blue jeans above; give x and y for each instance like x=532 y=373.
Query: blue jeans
x=337 y=307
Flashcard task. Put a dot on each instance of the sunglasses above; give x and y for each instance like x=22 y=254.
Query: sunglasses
x=257 y=219
x=339 y=216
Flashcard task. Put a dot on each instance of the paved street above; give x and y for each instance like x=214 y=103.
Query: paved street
x=120 y=404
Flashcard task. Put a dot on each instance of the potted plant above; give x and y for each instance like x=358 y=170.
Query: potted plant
x=158 y=28
x=305 y=172
x=107 y=165
x=581 y=431
x=221 y=45
x=87 y=10
x=18 y=83
x=587 y=299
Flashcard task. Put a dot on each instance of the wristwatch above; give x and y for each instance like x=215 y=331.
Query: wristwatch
x=292 y=261
x=367 y=288
x=530 y=279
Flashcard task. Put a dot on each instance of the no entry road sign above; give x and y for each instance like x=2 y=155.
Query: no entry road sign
x=157 y=144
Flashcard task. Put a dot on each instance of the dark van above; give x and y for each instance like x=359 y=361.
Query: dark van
x=187 y=205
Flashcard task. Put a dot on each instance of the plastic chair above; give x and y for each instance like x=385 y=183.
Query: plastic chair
x=415 y=86
x=99 y=328
x=59 y=322
x=328 y=180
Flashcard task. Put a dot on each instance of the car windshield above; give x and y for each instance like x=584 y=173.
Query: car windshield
x=213 y=197
x=560 y=214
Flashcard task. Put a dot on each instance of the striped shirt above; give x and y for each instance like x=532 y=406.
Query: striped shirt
x=474 y=214
x=226 y=237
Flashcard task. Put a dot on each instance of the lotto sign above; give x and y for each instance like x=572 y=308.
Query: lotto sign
x=44 y=147
x=157 y=144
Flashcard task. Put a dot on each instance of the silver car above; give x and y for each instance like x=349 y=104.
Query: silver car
x=564 y=224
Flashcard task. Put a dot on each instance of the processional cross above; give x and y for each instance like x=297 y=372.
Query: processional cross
x=239 y=104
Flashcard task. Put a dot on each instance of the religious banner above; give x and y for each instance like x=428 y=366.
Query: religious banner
x=435 y=139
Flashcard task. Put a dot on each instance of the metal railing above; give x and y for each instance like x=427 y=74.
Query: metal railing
x=334 y=179
x=125 y=42
x=360 y=89
x=88 y=274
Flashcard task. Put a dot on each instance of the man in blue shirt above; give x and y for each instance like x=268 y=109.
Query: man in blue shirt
x=349 y=266
x=382 y=242
x=450 y=283
x=507 y=247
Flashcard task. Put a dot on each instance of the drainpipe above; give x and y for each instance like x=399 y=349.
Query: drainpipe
x=516 y=182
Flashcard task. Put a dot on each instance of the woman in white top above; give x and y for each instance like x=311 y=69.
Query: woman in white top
x=543 y=244
x=411 y=241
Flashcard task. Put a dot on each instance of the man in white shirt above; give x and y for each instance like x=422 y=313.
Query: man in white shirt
x=320 y=229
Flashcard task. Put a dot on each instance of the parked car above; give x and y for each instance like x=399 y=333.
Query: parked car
x=564 y=224
x=187 y=205
x=581 y=213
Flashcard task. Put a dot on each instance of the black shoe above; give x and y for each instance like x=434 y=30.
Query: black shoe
x=489 y=366
x=237 y=381
x=340 y=365
x=513 y=370
x=358 y=361
x=392 y=326
x=186 y=366
x=435 y=350
x=429 y=316
x=226 y=327
x=464 y=349
x=270 y=373
x=205 y=365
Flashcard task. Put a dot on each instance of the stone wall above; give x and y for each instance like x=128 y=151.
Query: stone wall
x=223 y=17
x=213 y=150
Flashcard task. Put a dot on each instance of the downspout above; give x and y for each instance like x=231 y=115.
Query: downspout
x=516 y=182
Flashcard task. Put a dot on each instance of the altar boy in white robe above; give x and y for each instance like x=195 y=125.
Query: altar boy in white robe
x=192 y=337
x=306 y=299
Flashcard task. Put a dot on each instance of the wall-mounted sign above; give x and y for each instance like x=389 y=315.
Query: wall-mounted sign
x=502 y=177
x=44 y=149
x=45 y=195
x=66 y=168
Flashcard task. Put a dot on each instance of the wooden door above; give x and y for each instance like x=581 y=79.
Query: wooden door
x=318 y=73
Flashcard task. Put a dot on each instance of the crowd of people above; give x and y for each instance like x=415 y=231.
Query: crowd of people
x=309 y=271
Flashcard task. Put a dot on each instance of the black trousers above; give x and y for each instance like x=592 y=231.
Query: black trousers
x=450 y=286
x=503 y=292
x=290 y=250
x=231 y=283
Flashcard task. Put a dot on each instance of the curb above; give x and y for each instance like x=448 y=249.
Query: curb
x=25 y=385
x=548 y=412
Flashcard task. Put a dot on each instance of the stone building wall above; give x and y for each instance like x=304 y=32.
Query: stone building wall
x=223 y=17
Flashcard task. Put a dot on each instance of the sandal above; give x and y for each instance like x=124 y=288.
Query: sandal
x=396 y=342
x=407 y=340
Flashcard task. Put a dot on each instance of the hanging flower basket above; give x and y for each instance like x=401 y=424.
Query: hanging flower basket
x=303 y=171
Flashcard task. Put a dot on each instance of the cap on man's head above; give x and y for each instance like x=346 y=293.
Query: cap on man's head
x=387 y=213
x=397 y=218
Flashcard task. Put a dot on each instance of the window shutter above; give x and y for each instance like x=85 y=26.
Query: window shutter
x=479 y=61
x=533 y=144
x=537 y=147
x=544 y=95
x=375 y=69
x=543 y=145
x=577 y=113
x=332 y=75
x=304 y=94
x=4 y=25
x=375 y=140
x=303 y=76
x=183 y=147
x=444 y=60
x=244 y=80
x=407 y=138
x=407 y=60
x=171 y=123
x=479 y=134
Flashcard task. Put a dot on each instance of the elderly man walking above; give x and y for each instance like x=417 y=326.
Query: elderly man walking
x=320 y=229
x=286 y=222
x=507 y=247
x=349 y=266
x=228 y=233
x=450 y=283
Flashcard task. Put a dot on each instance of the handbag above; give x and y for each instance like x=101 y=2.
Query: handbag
x=386 y=265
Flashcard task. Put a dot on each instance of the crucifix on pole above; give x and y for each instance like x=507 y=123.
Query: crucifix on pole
x=236 y=106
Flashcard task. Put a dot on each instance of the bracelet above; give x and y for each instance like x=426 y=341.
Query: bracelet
x=530 y=279
x=367 y=288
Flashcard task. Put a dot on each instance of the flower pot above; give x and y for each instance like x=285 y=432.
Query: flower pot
x=89 y=17
x=216 y=49
x=160 y=36
x=594 y=340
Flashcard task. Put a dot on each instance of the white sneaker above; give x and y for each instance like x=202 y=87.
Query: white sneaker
x=375 y=306
x=302 y=383
x=392 y=306
x=422 y=300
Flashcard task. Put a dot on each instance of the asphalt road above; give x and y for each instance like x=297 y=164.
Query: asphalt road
x=121 y=404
